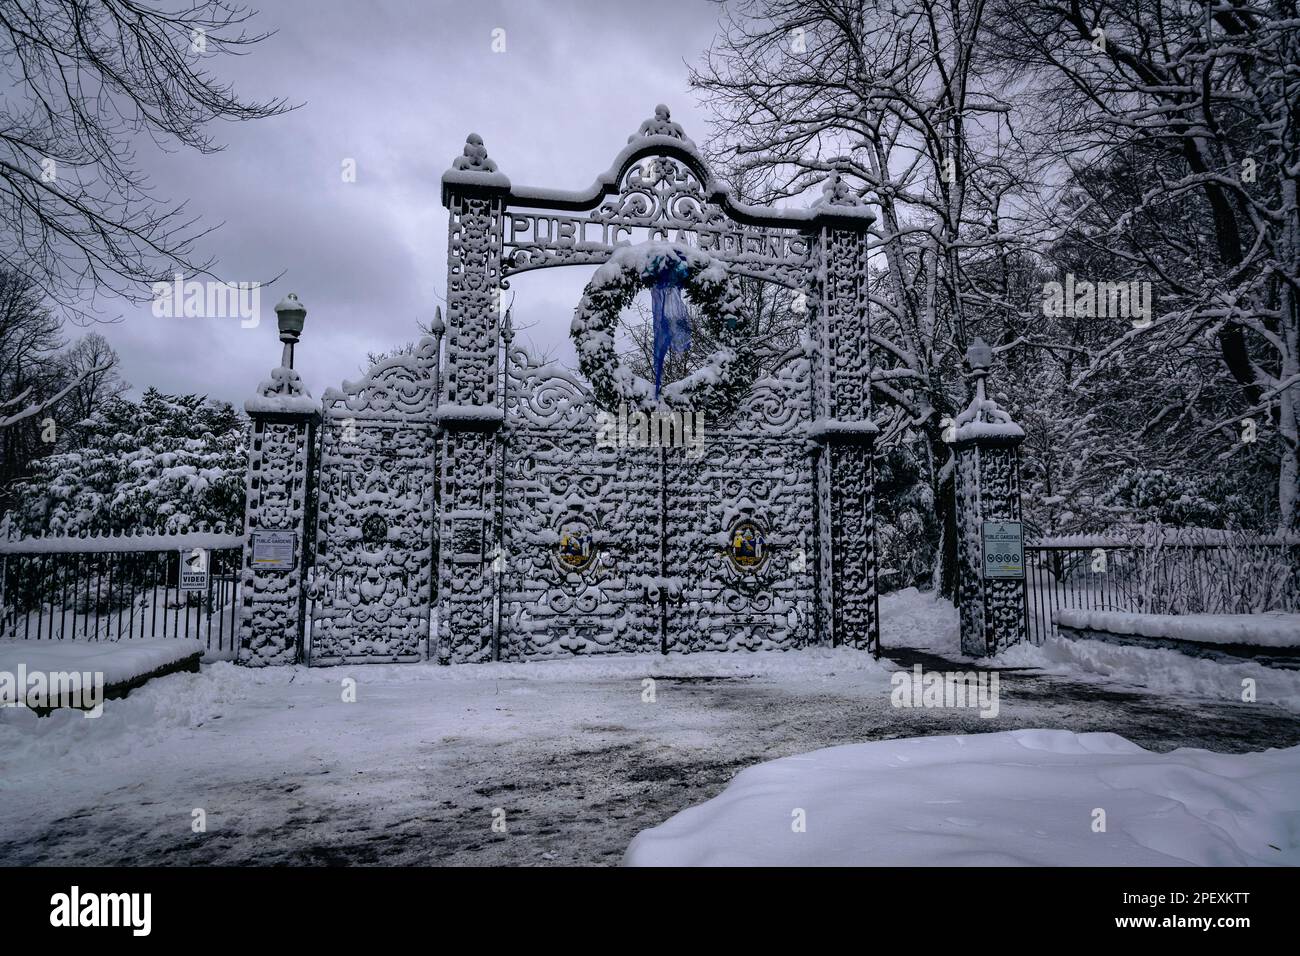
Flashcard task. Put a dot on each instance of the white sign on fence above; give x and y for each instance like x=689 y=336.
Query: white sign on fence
x=1004 y=550
x=273 y=550
x=194 y=569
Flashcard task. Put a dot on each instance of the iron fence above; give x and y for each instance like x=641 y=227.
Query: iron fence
x=111 y=589
x=1239 y=576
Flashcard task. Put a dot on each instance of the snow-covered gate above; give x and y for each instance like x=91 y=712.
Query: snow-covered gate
x=372 y=581
x=551 y=544
x=466 y=509
x=634 y=548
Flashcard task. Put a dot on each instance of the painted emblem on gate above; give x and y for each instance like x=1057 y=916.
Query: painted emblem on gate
x=574 y=550
x=748 y=546
x=374 y=531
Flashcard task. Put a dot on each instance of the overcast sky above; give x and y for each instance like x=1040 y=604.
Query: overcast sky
x=396 y=86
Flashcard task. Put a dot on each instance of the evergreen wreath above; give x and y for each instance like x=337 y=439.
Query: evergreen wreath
x=724 y=379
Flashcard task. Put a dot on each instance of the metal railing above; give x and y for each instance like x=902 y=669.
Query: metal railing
x=1237 y=576
x=111 y=589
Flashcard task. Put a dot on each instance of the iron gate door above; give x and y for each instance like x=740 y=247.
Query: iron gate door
x=372 y=584
x=635 y=549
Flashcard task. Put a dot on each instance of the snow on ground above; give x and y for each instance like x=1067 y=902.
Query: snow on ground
x=580 y=761
x=917 y=620
x=1159 y=670
x=1026 y=797
x=1272 y=629
x=153 y=712
x=118 y=661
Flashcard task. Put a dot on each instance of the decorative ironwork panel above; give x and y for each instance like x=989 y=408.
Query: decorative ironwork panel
x=562 y=493
x=738 y=529
x=846 y=327
x=473 y=299
x=373 y=578
x=853 y=532
x=279 y=499
x=846 y=535
x=630 y=548
x=468 y=479
x=659 y=199
x=988 y=489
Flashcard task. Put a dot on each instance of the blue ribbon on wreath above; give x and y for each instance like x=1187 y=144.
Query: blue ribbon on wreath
x=672 y=323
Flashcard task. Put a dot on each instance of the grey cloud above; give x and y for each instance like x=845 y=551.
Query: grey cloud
x=396 y=87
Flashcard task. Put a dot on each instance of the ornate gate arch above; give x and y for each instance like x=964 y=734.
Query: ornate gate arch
x=463 y=491
x=549 y=545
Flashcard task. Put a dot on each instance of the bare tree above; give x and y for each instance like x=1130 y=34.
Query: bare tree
x=39 y=383
x=86 y=81
x=897 y=96
x=1196 y=108
x=93 y=364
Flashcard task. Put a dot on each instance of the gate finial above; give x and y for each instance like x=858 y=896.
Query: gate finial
x=660 y=124
x=837 y=192
x=475 y=156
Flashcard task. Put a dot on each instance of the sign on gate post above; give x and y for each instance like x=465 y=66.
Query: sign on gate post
x=273 y=550
x=1004 y=550
x=194 y=569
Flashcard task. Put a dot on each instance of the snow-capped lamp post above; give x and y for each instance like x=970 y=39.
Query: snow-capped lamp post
x=281 y=489
x=990 y=547
x=290 y=316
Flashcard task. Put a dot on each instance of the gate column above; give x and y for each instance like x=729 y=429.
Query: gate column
x=842 y=426
x=469 y=416
x=990 y=548
x=281 y=491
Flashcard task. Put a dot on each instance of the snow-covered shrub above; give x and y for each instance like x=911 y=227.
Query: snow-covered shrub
x=168 y=463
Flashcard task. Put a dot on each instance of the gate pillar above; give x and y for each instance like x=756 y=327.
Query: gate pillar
x=842 y=426
x=990 y=549
x=281 y=490
x=469 y=416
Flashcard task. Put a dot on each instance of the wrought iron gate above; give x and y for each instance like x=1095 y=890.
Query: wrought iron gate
x=372 y=584
x=635 y=548
x=468 y=478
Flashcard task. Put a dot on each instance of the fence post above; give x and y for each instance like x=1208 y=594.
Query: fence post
x=281 y=491
x=990 y=547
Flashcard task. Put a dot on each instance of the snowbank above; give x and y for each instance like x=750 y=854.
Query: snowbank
x=1160 y=670
x=65 y=743
x=1025 y=797
x=119 y=661
x=1274 y=629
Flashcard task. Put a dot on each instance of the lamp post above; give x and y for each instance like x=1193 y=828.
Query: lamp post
x=979 y=357
x=290 y=314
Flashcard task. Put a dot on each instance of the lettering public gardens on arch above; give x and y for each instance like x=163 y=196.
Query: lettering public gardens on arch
x=539 y=240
